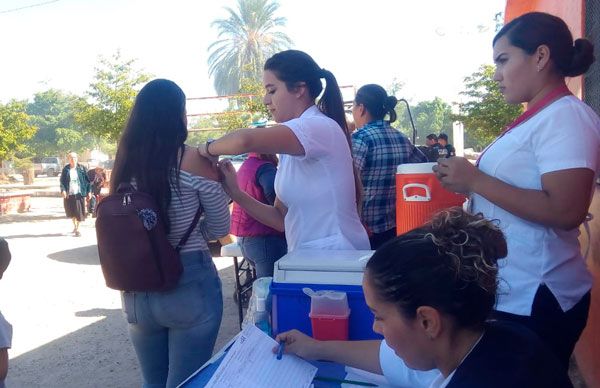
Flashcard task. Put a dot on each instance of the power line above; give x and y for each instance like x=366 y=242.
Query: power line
x=29 y=6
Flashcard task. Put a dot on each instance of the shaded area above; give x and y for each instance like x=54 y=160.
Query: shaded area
x=84 y=355
x=87 y=255
x=34 y=235
x=23 y=217
x=100 y=353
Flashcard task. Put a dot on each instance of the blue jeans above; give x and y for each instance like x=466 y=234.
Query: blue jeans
x=174 y=332
x=263 y=252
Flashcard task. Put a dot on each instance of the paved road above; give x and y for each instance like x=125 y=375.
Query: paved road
x=68 y=327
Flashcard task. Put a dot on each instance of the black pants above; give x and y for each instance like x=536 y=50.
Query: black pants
x=559 y=329
x=378 y=239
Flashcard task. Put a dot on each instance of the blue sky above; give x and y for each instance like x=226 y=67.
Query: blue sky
x=429 y=45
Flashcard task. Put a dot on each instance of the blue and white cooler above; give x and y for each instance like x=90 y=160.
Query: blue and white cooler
x=320 y=270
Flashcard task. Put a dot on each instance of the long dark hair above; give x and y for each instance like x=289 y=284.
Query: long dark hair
x=377 y=102
x=449 y=264
x=531 y=30
x=151 y=142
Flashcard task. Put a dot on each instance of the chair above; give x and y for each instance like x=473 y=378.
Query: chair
x=243 y=289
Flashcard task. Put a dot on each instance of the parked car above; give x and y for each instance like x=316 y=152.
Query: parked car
x=108 y=164
x=49 y=166
x=91 y=163
x=236 y=160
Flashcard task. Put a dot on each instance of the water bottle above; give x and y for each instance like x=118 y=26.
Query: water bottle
x=261 y=316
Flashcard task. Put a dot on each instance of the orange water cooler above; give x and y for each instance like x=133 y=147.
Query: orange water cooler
x=419 y=195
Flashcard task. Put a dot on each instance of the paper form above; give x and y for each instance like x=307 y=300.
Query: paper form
x=251 y=363
x=355 y=374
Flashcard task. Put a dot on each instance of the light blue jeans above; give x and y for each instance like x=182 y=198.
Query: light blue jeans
x=174 y=332
x=263 y=252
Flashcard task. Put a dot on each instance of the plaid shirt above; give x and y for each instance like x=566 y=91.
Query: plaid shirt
x=378 y=149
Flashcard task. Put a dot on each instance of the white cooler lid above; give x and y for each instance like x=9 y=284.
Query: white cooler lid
x=322 y=266
x=415 y=168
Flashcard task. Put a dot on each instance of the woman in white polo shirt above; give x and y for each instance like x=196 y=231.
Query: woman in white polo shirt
x=316 y=201
x=537 y=179
x=431 y=291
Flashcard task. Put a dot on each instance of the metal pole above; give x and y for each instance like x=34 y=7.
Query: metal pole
x=414 y=136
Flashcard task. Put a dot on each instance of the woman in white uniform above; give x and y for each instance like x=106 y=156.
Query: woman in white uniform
x=315 y=184
x=537 y=179
x=431 y=291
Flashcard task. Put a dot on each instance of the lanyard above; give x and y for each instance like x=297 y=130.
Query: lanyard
x=548 y=99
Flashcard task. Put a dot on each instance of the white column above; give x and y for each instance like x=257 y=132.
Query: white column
x=458 y=135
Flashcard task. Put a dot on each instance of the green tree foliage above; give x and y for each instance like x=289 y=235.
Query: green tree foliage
x=110 y=97
x=432 y=116
x=53 y=113
x=485 y=113
x=246 y=39
x=245 y=109
x=15 y=129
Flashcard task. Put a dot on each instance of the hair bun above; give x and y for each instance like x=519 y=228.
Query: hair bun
x=455 y=230
x=390 y=102
x=583 y=57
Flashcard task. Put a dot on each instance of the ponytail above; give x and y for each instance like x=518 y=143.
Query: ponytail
x=331 y=103
x=375 y=99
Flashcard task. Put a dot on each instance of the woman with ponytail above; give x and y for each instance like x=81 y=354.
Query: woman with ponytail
x=431 y=291
x=378 y=149
x=537 y=178
x=315 y=186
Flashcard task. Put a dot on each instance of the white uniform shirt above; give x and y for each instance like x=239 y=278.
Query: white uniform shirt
x=318 y=188
x=564 y=135
x=398 y=374
x=73 y=181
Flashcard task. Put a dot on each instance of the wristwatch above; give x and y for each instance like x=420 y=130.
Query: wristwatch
x=208 y=143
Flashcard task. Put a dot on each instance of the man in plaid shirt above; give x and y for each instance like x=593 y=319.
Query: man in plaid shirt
x=378 y=149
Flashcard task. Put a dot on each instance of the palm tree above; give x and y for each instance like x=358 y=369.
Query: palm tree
x=246 y=39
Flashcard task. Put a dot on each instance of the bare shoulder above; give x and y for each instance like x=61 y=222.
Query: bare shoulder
x=198 y=165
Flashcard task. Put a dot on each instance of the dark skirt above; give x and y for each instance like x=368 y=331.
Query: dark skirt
x=75 y=207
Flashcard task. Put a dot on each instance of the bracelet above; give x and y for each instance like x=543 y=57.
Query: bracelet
x=208 y=143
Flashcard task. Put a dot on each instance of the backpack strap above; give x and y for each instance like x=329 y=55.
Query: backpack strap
x=190 y=229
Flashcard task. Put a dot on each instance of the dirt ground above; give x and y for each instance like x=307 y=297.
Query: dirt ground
x=68 y=327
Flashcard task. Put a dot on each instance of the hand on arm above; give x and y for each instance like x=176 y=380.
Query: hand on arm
x=358 y=354
x=198 y=165
x=269 y=215
x=562 y=203
x=278 y=139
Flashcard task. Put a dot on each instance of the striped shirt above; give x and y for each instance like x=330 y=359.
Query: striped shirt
x=215 y=220
x=378 y=149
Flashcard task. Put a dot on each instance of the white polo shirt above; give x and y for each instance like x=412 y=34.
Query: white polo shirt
x=398 y=374
x=564 y=135
x=318 y=188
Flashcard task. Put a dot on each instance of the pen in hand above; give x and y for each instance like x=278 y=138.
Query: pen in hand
x=280 y=350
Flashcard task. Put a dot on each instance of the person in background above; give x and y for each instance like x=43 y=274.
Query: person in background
x=317 y=190
x=537 y=179
x=5 y=327
x=75 y=188
x=446 y=150
x=431 y=291
x=173 y=332
x=378 y=149
x=97 y=178
x=260 y=244
x=431 y=149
